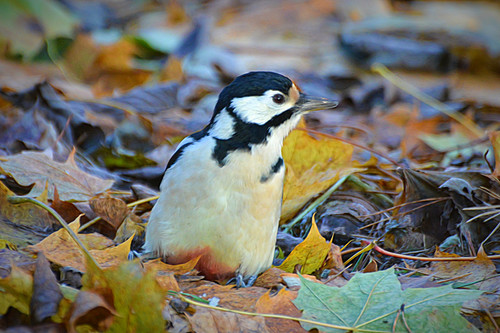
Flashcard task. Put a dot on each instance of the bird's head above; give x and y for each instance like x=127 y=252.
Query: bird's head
x=267 y=98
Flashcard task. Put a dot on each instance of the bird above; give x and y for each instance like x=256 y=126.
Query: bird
x=221 y=193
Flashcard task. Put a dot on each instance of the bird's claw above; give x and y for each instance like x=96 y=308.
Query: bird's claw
x=242 y=282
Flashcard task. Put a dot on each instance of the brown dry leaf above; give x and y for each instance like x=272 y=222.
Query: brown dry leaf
x=208 y=320
x=16 y=290
x=132 y=224
x=310 y=254
x=312 y=166
x=67 y=210
x=37 y=168
x=281 y=304
x=270 y=278
x=243 y=299
x=481 y=272
x=158 y=265
x=172 y=71
x=167 y=281
x=495 y=142
x=333 y=260
x=111 y=210
x=92 y=309
x=293 y=280
x=80 y=56
x=112 y=68
x=123 y=81
x=482 y=267
x=61 y=249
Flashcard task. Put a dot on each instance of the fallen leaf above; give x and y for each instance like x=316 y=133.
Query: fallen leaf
x=9 y=258
x=312 y=166
x=73 y=184
x=465 y=271
x=270 y=278
x=46 y=292
x=91 y=309
x=243 y=299
x=111 y=210
x=371 y=301
x=135 y=295
x=208 y=320
x=280 y=304
x=159 y=266
x=22 y=224
x=310 y=254
x=16 y=290
x=61 y=249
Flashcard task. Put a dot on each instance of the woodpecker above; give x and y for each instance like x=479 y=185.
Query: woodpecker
x=220 y=197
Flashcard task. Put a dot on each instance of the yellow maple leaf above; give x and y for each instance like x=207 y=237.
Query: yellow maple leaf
x=310 y=254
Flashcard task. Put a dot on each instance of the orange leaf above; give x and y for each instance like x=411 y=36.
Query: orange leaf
x=281 y=304
x=310 y=254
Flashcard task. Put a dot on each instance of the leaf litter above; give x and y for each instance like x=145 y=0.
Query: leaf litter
x=403 y=177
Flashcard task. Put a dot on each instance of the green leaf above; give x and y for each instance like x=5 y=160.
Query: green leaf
x=371 y=302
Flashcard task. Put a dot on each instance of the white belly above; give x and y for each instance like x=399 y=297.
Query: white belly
x=226 y=208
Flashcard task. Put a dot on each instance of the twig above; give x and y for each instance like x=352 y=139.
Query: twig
x=402 y=256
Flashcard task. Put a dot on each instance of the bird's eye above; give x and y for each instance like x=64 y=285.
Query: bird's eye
x=278 y=99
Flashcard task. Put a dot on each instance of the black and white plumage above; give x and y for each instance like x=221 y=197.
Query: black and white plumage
x=222 y=190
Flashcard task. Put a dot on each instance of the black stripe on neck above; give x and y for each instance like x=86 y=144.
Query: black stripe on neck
x=274 y=170
x=247 y=134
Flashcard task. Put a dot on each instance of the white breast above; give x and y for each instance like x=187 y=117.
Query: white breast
x=225 y=208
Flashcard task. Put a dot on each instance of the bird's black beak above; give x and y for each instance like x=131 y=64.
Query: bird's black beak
x=308 y=103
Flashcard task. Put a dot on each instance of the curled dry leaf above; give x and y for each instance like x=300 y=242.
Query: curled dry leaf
x=91 y=309
x=111 y=210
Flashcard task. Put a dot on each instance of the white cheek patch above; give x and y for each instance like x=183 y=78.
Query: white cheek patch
x=223 y=127
x=259 y=109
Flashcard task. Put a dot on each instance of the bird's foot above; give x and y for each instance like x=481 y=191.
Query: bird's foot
x=134 y=255
x=242 y=282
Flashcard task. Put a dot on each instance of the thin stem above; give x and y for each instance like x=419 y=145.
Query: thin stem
x=18 y=200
